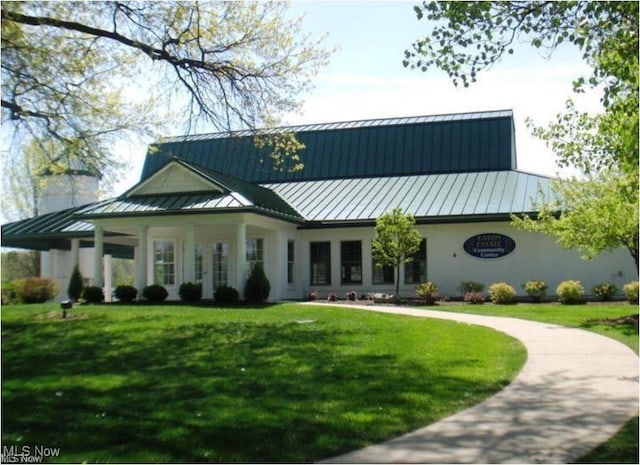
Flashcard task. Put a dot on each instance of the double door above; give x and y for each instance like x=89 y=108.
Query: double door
x=212 y=266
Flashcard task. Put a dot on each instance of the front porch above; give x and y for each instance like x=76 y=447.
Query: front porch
x=213 y=250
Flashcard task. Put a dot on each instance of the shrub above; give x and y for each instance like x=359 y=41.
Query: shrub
x=352 y=295
x=258 y=286
x=155 y=293
x=35 y=290
x=8 y=292
x=126 y=293
x=502 y=293
x=93 y=294
x=332 y=298
x=631 y=290
x=470 y=286
x=190 y=292
x=313 y=295
x=474 y=298
x=570 y=292
x=428 y=292
x=74 y=290
x=605 y=290
x=536 y=289
x=226 y=295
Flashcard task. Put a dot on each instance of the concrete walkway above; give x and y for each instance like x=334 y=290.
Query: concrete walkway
x=575 y=391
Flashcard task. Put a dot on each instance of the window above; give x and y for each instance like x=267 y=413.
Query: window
x=290 y=261
x=351 y=262
x=255 y=254
x=220 y=264
x=415 y=271
x=164 y=263
x=199 y=270
x=320 y=263
x=383 y=274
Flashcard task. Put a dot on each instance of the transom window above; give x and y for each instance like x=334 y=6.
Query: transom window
x=351 y=262
x=320 y=257
x=415 y=271
x=164 y=271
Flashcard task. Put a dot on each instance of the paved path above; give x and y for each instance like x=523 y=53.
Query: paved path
x=575 y=391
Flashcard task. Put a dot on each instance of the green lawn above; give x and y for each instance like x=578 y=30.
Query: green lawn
x=574 y=316
x=187 y=384
x=623 y=447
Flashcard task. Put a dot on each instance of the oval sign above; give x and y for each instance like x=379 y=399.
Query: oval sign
x=489 y=245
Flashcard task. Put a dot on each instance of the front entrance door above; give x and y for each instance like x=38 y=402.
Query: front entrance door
x=219 y=265
x=212 y=266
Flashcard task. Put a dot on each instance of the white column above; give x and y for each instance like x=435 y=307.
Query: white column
x=141 y=260
x=278 y=277
x=190 y=255
x=98 y=245
x=241 y=257
x=107 y=278
x=75 y=253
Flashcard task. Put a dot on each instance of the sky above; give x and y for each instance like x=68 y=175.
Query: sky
x=365 y=79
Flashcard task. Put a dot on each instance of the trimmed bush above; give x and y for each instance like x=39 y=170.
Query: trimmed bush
x=258 y=287
x=125 y=293
x=74 y=290
x=428 y=292
x=35 y=290
x=570 y=292
x=190 y=292
x=8 y=293
x=631 y=290
x=605 y=291
x=536 y=289
x=352 y=295
x=332 y=298
x=502 y=293
x=93 y=294
x=470 y=286
x=226 y=295
x=474 y=298
x=155 y=293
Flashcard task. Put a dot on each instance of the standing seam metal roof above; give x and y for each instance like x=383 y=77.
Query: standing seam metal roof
x=467 y=142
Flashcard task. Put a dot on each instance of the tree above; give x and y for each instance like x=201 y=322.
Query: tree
x=16 y=265
x=469 y=37
x=602 y=215
x=72 y=71
x=396 y=241
x=76 y=284
x=598 y=212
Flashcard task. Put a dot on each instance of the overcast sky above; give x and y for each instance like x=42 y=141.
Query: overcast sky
x=366 y=79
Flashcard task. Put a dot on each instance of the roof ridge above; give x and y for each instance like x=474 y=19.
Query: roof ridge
x=347 y=124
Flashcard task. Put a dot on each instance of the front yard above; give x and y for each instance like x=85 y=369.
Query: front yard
x=287 y=383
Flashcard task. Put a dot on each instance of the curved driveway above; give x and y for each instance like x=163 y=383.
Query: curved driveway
x=575 y=390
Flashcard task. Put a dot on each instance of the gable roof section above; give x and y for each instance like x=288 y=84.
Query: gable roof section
x=226 y=194
x=468 y=142
x=174 y=178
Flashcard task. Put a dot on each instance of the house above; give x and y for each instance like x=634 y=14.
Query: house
x=209 y=207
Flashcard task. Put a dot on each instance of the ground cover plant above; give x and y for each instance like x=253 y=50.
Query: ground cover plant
x=286 y=383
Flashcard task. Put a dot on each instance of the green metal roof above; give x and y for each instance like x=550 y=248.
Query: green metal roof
x=54 y=231
x=436 y=197
x=467 y=142
x=237 y=195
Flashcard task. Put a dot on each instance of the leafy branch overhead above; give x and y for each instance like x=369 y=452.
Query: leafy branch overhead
x=469 y=37
x=83 y=74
